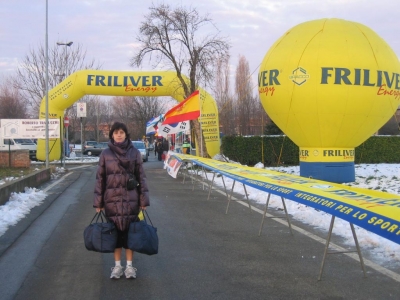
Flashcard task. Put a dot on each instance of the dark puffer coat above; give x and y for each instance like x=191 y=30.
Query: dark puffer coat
x=120 y=205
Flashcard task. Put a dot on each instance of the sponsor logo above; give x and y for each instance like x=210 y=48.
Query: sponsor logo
x=336 y=152
x=299 y=76
x=363 y=77
x=267 y=80
x=322 y=186
x=124 y=81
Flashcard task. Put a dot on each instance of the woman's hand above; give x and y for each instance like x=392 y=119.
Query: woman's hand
x=99 y=209
x=143 y=207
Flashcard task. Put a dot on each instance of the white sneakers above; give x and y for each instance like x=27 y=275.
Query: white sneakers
x=130 y=272
x=117 y=271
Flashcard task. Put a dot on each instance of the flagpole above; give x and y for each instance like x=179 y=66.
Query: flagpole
x=201 y=129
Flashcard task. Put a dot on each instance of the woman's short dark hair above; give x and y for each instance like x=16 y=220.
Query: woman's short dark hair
x=118 y=126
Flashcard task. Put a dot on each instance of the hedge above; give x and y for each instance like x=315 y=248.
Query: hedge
x=280 y=150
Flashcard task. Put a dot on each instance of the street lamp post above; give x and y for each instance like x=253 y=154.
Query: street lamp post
x=47 y=85
x=66 y=74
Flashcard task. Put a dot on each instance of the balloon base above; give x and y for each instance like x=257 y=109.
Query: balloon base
x=329 y=171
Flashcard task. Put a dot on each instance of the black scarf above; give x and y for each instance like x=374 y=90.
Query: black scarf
x=120 y=151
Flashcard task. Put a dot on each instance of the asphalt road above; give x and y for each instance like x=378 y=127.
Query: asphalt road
x=203 y=252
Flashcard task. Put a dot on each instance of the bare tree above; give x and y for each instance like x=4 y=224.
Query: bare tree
x=391 y=127
x=74 y=129
x=261 y=118
x=95 y=115
x=97 y=124
x=74 y=126
x=183 y=40
x=146 y=108
x=246 y=104
x=136 y=111
x=123 y=111
x=224 y=98
x=12 y=103
x=108 y=116
x=31 y=74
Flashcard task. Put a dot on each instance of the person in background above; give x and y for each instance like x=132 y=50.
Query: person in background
x=120 y=205
x=155 y=147
x=159 y=147
x=165 y=147
x=147 y=145
x=186 y=146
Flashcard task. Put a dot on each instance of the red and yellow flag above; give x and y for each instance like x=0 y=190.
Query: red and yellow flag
x=188 y=109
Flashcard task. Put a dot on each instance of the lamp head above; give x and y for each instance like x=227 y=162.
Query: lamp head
x=65 y=44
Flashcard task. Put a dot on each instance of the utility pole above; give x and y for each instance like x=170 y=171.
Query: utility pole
x=47 y=84
x=63 y=144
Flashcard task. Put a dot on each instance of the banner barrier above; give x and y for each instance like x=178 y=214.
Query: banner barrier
x=172 y=164
x=375 y=211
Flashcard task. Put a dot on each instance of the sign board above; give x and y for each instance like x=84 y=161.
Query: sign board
x=29 y=128
x=81 y=110
x=66 y=121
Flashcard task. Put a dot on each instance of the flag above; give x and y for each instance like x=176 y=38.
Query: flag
x=188 y=109
x=166 y=129
x=151 y=129
x=152 y=124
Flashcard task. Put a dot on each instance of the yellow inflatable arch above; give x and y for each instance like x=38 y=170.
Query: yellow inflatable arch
x=114 y=83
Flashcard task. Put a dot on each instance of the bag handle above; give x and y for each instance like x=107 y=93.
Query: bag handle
x=144 y=215
x=96 y=215
x=100 y=215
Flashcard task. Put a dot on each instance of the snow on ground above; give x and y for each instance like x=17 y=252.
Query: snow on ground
x=20 y=204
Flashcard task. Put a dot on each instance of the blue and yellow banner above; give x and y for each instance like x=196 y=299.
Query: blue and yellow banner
x=375 y=211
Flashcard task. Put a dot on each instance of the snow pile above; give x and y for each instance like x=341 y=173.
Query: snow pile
x=18 y=206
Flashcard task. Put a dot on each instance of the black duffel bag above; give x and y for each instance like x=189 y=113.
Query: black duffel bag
x=100 y=236
x=142 y=237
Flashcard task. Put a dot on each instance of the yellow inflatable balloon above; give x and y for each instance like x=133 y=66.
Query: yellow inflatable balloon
x=329 y=84
x=114 y=83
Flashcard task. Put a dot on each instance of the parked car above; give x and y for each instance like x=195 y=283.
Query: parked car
x=96 y=149
x=16 y=144
x=142 y=148
x=88 y=146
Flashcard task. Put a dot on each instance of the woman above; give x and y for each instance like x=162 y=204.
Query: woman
x=120 y=205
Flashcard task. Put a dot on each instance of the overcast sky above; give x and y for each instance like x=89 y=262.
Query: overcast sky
x=107 y=28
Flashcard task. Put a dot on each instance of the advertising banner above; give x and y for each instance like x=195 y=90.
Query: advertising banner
x=172 y=164
x=126 y=84
x=29 y=128
x=375 y=211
